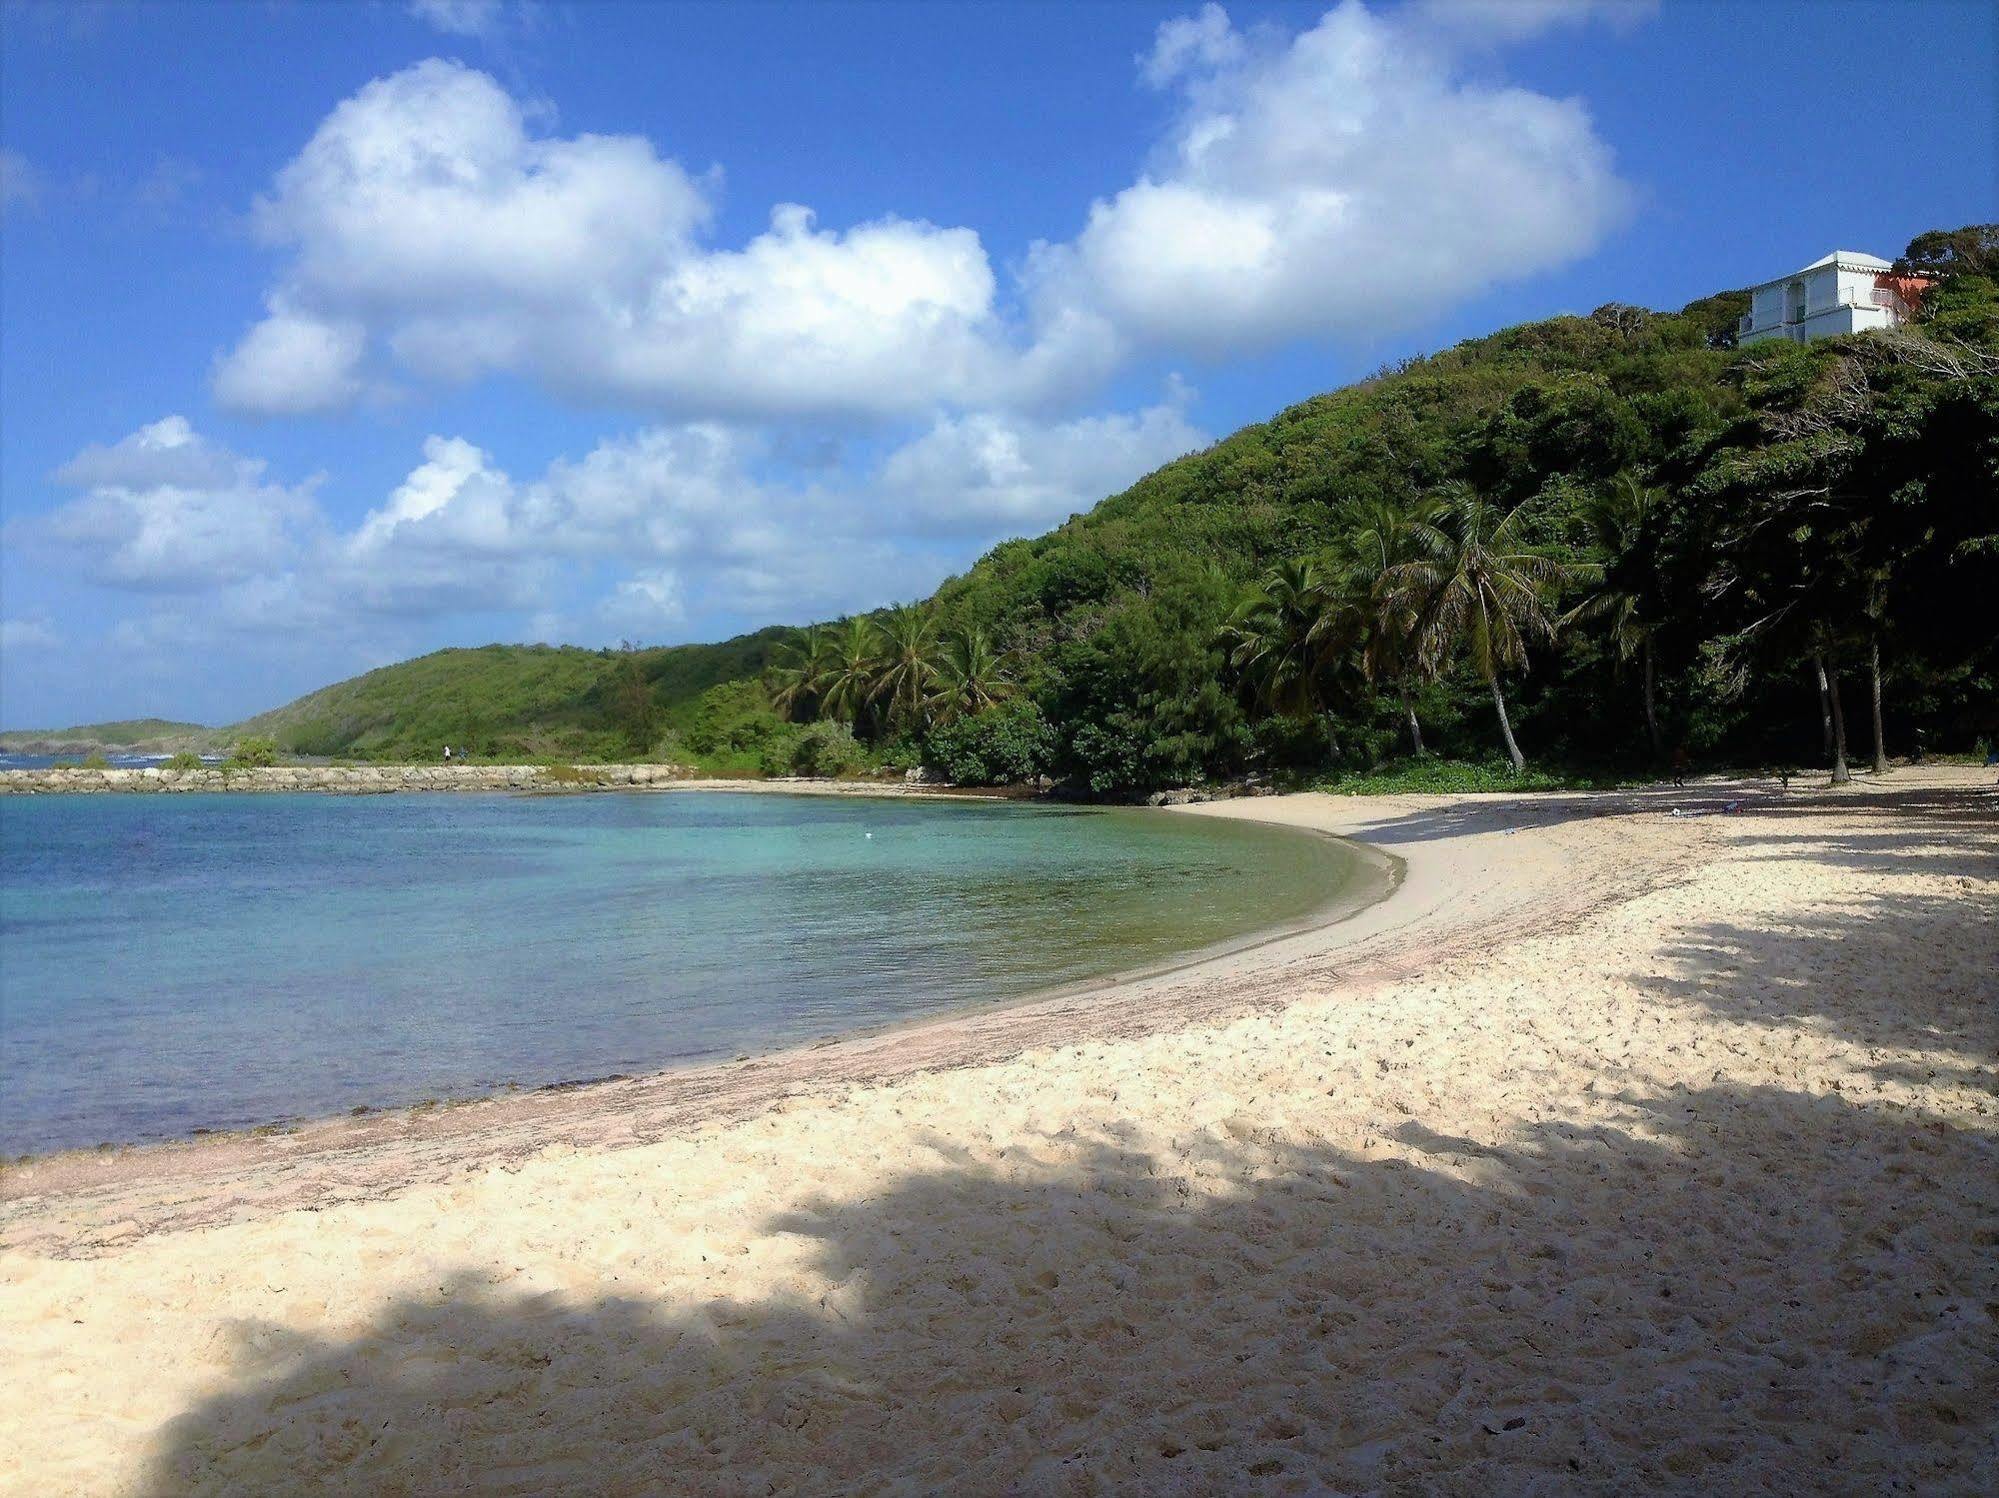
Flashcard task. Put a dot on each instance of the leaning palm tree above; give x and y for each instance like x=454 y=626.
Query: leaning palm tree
x=799 y=668
x=1378 y=535
x=1479 y=585
x=907 y=668
x=1618 y=518
x=971 y=676
x=847 y=681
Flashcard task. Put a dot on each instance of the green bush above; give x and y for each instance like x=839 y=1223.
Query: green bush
x=253 y=754
x=186 y=760
x=821 y=749
x=95 y=760
x=569 y=775
x=901 y=753
x=1005 y=745
x=733 y=718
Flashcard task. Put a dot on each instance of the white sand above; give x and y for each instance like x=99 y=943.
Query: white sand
x=1616 y=1152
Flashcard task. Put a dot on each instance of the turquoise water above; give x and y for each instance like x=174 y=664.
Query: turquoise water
x=172 y=963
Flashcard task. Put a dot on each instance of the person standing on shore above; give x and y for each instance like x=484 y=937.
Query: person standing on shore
x=1680 y=765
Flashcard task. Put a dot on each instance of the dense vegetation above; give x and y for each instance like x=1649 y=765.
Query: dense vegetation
x=1581 y=547
x=1605 y=541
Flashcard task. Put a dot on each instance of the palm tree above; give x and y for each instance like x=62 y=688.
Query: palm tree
x=847 y=681
x=1618 y=518
x=1478 y=585
x=971 y=676
x=1378 y=537
x=1285 y=637
x=907 y=667
x=799 y=668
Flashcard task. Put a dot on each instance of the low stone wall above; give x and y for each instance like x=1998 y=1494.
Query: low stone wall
x=349 y=779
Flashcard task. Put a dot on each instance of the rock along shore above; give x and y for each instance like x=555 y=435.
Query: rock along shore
x=350 y=779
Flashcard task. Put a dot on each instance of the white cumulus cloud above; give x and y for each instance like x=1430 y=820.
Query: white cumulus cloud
x=1336 y=182
x=644 y=533
x=427 y=210
x=1330 y=184
x=166 y=509
x=986 y=471
x=290 y=364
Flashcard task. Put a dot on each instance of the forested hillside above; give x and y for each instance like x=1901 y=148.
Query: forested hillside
x=1612 y=540
x=1601 y=542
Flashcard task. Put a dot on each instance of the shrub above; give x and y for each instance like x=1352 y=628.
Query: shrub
x=821 y=749
x=95 y=760
x=253 y=753
x=186 y=760
x=903 y=752
x=1003 y=745
x=734 y=717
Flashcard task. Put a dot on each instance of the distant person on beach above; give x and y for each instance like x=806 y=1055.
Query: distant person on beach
x=447 y=754
x=1680 y=765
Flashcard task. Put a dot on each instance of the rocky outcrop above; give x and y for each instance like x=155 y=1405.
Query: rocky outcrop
x=347 y=779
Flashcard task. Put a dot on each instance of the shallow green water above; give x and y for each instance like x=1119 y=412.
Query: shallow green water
x=170 y=963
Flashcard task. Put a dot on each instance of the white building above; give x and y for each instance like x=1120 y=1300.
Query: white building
x=1846 y=292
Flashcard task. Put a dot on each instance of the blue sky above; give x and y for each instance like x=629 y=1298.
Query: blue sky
x=334 y=333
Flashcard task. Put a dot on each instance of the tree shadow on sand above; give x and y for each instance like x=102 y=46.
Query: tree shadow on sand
x=1720 y=1291
x=1712 y=1288
x=1889 y=963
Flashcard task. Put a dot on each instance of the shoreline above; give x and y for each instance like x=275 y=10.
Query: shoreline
x=1387 y=939
x=1635 y=1144
x=1373 y=877
x=459 y=779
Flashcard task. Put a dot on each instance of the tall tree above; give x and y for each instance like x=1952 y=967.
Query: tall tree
x=632 y=701
x=1618 y=518
x=1481 y=586
x=853 y=664
x=907 y=668
x=971 y=676
x=799 y=670
x=1284 y=639
x=1380 y=535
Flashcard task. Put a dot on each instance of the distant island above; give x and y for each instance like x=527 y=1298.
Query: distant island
x=1593 y=545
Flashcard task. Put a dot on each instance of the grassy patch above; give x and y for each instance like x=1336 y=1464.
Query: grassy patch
x=1457 y=776
x=570 y=775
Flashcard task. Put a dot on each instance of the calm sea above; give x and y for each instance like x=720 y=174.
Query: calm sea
x=171 y=963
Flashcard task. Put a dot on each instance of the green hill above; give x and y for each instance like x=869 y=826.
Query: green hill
x=499 y=701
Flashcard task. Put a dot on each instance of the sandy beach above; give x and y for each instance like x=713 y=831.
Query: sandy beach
x=1633 y=1144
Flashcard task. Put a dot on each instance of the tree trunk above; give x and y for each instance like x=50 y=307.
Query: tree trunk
x=1880 y=741
x=1825 y=709
x=1840 y=774
x=1415 y=728
x=1651 y=707
x=1506 y=728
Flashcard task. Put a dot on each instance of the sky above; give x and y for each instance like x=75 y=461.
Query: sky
x=333 y=333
